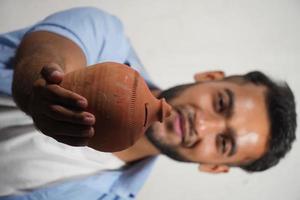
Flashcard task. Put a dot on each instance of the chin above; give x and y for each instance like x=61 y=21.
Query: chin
x=165 y=145
x=160 y=133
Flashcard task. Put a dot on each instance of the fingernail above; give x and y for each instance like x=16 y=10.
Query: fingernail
x=82 y=103
x=89 y=119
x=56 y=73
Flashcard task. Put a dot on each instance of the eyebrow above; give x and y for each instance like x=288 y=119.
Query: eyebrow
x=232 y=139
x=231 y=100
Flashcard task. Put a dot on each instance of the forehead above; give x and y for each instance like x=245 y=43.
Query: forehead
x=249 y=120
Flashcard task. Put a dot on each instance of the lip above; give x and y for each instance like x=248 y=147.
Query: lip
x=181 y=125
x=178 y=125
x=184 y=126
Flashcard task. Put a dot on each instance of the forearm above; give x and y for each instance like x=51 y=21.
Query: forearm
x=35 y=51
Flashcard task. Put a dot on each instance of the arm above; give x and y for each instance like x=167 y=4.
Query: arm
x=55 y=111
x=93 y=36
x=70 y=39
x=39 y=49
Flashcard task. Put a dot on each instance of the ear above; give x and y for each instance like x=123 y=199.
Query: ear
x=209 y=76
x=214 y=169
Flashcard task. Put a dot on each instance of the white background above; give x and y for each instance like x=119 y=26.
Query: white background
x=175 y=39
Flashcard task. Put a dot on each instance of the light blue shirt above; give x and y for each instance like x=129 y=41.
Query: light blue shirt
x=99 y=34
x=101 y=38
x=112 y=185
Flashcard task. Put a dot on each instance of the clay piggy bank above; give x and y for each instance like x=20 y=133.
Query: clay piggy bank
x=122 y=103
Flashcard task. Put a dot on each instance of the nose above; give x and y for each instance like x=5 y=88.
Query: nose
x=206 y=123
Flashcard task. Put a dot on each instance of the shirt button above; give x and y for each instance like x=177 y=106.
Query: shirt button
x=131 y=195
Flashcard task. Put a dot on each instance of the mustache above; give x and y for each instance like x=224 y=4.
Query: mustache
x=174 y=91
x=166 y=150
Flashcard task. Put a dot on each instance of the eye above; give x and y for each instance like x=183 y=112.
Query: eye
x=220 y=103
x=222 y=143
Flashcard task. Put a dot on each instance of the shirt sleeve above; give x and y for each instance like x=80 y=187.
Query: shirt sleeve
x=134 y=61
x=100 y=35
x=84 y=26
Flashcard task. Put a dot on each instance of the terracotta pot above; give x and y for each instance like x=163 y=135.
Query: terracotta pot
x=122 y=103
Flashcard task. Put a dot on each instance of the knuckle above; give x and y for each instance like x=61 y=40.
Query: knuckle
x=76 y=117
x=71 y=96
x=54 y=109
x=38 y=84
x=53 y=88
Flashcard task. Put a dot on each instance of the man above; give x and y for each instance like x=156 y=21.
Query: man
x=218 y=122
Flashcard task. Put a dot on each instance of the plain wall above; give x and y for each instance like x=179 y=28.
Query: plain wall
x=175 y=39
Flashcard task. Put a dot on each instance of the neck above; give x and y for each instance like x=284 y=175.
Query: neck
x=141 y=149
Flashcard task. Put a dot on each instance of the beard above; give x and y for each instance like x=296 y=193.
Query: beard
x=166 y=149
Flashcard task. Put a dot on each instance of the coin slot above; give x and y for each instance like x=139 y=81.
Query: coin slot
x=146 y=114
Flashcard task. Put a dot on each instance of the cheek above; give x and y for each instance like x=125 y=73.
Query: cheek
x=158 y=130
x=205 y=151
x=196 y=98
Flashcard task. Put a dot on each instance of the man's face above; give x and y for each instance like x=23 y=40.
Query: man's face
x=215 y=123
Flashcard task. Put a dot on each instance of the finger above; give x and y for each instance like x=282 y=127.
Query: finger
x=55 y=93
x=52 y=127
x=63 y=114
x=52 y=73
x=73 y=141
x=38 y=85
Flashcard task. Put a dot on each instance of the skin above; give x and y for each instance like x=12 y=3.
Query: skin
x=206 y=137
x=42 y=60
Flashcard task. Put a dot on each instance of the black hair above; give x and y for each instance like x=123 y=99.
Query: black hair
x=282 y=115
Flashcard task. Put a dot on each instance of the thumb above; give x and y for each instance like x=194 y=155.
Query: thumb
x=52 y=73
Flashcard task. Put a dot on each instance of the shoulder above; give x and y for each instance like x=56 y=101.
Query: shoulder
x=81 y=14
x=83 y=17
x=82 y=11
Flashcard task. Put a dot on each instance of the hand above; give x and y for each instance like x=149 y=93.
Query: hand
x=59 y=113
